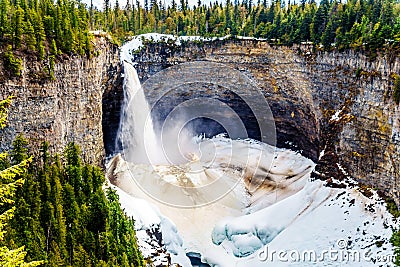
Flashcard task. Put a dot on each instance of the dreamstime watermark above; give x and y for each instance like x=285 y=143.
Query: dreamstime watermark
x=340 y=254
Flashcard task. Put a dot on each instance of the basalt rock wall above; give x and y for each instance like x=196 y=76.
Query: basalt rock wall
x=360 y=129
x=67 y=108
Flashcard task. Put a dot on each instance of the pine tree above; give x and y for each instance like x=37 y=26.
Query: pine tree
x=19 y=153
x=328 y=36
x=40 y=37
x=26 y=223
x=12 y=63
x=116 y=14
x=319 y=22
x=53 y=48
x=228 y=22
x=106 y=9
x=4 y=22
x=183 y=7
x=133 y=20
x=18 y=26
x=30 y=39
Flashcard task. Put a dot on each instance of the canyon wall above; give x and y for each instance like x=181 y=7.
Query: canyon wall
x=335 y=108
x=278 y=74
x=65 y=109
x=360 y=129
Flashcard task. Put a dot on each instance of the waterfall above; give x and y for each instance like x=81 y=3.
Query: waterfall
x=137 y=137
x=136 y=130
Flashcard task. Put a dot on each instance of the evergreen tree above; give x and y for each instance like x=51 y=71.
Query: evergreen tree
x=18 y=26
x=228 y=22
x=106 y=9
x=40 y=37
x=4 y=21
x=30 y=39
x=12 y=63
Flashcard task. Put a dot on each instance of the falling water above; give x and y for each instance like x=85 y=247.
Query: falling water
x=136 y=132
x=175 y=144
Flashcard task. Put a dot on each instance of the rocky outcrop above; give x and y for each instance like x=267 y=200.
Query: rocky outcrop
x=66 y=109
x=335 y=108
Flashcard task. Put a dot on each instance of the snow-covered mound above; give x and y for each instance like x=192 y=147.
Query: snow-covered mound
x=258 y=217
x=255 y=176
x=318 y=226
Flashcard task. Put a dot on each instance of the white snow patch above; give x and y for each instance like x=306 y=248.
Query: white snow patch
x=345 y=173
x=336 y=116
x=315 y=219
x=321 y=154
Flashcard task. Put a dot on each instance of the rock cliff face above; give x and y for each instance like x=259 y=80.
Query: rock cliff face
x=335 y=108
x=360 y=121
x=66 y=109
